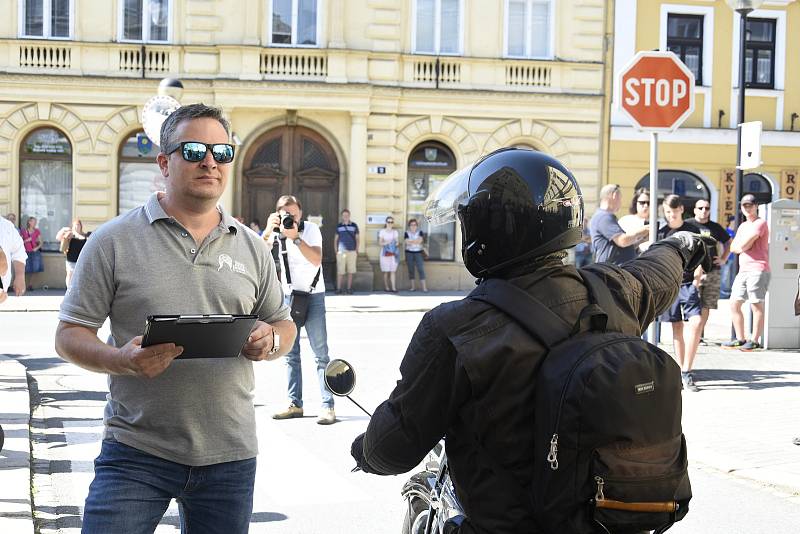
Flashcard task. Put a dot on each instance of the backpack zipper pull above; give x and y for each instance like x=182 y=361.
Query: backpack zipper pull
x=598 y=496
x=552 y=456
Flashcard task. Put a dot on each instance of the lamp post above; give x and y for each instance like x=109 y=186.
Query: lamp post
x=743 y=7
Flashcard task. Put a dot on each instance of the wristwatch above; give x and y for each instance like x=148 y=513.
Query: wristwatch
x=297 y=241
x=276 y=343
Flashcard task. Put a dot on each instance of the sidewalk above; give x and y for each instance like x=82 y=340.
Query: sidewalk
x=741 y=422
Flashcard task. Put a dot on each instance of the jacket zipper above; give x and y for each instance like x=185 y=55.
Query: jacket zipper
x=552 y=454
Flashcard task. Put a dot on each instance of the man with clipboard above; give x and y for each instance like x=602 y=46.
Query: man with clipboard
x=175 y=428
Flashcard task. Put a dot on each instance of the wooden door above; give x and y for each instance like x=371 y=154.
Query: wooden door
x=294 y=160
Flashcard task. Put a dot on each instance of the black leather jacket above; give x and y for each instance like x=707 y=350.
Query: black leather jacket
x=469 y=374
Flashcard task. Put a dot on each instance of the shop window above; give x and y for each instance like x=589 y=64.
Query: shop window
x=46 y=19
x=682 y=183
x=685 y=39
x=528 y=24
x=45 y=177
x=428 y=166
x=294 y=22
x=139 y=175
x=758 y=186
x=437 y=26
x=145 y=20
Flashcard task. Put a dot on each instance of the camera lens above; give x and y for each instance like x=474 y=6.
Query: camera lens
x=288 y=221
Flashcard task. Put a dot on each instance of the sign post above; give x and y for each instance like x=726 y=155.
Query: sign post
x=657 y=95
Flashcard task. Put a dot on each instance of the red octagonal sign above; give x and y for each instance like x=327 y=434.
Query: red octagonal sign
x=656 y=91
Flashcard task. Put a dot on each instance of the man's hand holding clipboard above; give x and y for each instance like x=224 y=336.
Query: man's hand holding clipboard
x=147 y=362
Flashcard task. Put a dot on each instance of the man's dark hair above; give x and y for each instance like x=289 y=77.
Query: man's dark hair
x=636 y=194
x=672 y=201
x=184 y=113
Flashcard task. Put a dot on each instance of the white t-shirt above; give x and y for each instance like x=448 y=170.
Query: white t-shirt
x=302 y=270
x=13 y=248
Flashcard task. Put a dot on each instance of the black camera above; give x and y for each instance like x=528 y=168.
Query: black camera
x=287 y=221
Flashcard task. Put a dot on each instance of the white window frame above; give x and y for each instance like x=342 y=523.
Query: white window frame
x=46 y=14
x=708 y=33
x=437 y=30
x=780 y=66
x=295 y=10
x=529 y=30
x=145 y=27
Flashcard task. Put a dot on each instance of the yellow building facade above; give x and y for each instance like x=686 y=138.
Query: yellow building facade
x=358 y=104
x=698 y=160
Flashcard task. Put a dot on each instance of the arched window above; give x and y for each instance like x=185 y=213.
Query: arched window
x=758 y=186
x=429 y=165
x=45 y=175
x=139 y=175
x=683 y=183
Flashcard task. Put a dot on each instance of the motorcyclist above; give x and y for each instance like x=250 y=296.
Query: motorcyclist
x=469 y=371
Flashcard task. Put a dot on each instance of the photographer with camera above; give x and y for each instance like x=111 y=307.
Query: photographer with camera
x=301 y=257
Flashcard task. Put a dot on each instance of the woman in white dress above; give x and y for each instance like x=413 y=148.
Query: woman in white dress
x=387 y=239
x=639 y=214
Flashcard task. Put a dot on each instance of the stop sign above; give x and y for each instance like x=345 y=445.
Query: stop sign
x=656 y=91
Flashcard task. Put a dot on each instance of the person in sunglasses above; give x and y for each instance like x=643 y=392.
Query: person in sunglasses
x=185 y=428
x=710 y=281
x=751 y=243
x=638 y=215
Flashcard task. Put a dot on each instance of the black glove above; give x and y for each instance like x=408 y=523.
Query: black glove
x=357 y=452
x=695 y=249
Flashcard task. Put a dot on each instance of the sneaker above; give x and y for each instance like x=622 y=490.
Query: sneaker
x=340 y=291
x=688 y=382
x=796 y=441
x=327 y=417
x=733 y=344
x=348 y=291
x=750 y=345
x=292 y=411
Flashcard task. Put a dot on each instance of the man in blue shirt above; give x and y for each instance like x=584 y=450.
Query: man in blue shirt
x=346 y=244
x=610 y=242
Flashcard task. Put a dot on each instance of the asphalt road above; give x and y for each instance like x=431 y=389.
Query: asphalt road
x=304 y=484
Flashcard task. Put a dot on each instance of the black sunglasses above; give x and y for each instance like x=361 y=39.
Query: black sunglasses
x=643 y=202
x=703 y=208
x=747 y=204
x=194 y=151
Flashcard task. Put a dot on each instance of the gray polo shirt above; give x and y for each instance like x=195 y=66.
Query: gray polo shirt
x=198 y=412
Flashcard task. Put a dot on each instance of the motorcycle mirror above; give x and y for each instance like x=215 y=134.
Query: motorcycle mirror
x=340 y=377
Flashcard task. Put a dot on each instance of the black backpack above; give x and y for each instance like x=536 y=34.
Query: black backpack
x=609 y=454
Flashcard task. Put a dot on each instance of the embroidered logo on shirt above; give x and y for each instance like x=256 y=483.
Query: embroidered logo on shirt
x=234 y=266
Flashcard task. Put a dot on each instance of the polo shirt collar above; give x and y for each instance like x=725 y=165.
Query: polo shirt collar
x=155 y=212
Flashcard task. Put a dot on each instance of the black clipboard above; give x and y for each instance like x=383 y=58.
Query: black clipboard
x=201 y=336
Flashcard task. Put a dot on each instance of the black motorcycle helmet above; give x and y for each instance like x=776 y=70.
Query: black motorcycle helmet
x=514 y=205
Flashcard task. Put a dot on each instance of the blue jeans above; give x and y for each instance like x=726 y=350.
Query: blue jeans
x=132 y=489
x=582 y=259
x=318 y=337
x=726 y=279
x=415 y=259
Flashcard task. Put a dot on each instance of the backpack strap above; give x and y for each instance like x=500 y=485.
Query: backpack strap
x=536 y=318
x=601 y=307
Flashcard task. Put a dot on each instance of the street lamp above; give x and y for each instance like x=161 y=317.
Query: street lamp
x=743 y=7
x=171 y=87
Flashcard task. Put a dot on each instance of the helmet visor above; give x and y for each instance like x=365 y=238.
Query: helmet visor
x=441 y=206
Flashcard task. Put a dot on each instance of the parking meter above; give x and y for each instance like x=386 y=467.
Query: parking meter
x=782 y=326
